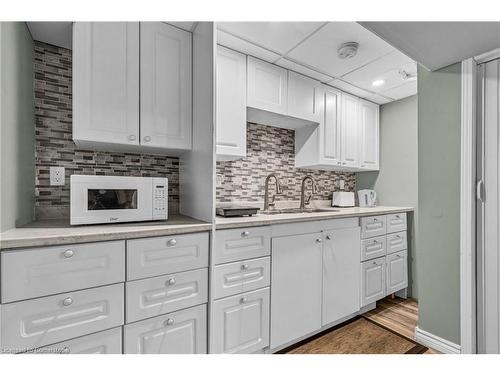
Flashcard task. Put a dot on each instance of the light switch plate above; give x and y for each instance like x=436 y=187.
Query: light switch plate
x=341 y=184
x=57 y=176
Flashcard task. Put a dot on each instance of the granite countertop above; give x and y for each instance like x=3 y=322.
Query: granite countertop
x=60 y=232
x=328 y=213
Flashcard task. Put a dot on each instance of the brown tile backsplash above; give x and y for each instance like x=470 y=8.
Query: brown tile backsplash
x=54 y=145
x=271 y=149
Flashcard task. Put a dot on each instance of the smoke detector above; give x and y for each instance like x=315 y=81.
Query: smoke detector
x=406 y=76
x=348 y=50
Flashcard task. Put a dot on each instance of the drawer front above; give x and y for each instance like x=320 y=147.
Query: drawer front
x=396 y=242
x=43 y=321
x=397 y=271
x=240 y=324
x=106 y=342
x=396 y=222
x=373 y=226
x=182 y=332
x=157 y=256
x=160 y=295
x=372 y=281
x=233 y=278
x=242 y=243
x=372 y=248
x=57 y=269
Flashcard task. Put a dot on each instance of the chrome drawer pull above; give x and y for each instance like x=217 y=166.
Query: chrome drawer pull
x=244 y=267
x=375 y=263
x=375 y=219
x=328 y=237
x=172 y=242
x=147 y=138
x=169 y=322
x=131 y=137
x=245 y=234
x=67 y=301
x=243 y=300
x=399 y=236
x=65 y=350
x=170 y=282
x=318 y=240
x=68 y=253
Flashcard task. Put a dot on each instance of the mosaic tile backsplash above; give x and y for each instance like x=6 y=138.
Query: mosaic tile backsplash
x=271 y=149
x=54 y=145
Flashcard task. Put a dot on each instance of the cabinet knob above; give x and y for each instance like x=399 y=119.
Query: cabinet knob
x=169 y=322
x=68 y=253
x=244 y=267
x=318 y=240
x=245 y=234
x=171 y=242
x=375 y=263
x=65 y=350
x=132 y=137
x=67 y=301
x=328 y=237
x=147 y=138
x=398 y=255
x=170 y=281
x=243 y=299
x=375 y=219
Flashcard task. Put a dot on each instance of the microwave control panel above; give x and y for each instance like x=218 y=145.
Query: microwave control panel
x=160 y=199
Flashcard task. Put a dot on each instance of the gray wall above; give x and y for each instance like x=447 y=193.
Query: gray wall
x=439 y=201
x=17 y=132
x=396 y=183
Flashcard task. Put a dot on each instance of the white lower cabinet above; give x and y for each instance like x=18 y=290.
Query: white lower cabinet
x=180 y=332
x=372 y=281
x=240 y=324
x=396 y=271
x=296 y=287
x=340 y=274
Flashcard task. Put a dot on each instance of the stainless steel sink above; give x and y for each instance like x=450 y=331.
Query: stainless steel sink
x=296 y=211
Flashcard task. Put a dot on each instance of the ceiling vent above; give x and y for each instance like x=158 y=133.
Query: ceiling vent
x=348 y=50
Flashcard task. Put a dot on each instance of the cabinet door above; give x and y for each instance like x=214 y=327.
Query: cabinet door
x=330 y=126
x=304 y=95
x=240 y=324
x=397 y=271
x=372 y=281
x=349 y=144
x=296 y=280
x=231 y=102
x=267 y=86
x=165 y=86
x=369 y=137
x=341 y=277
x=106 y=82
x=181 y=332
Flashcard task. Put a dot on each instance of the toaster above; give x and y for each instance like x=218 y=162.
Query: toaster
x=343 y=199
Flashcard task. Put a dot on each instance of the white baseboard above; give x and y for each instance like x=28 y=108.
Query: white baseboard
x=436 y=342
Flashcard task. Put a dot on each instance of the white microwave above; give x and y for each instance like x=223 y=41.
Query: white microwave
x=117 y=199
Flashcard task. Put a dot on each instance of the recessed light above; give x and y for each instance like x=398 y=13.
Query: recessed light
x=378 y=82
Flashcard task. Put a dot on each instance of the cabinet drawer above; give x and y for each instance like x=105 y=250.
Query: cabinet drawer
x=397 y=271
x=160 y=295
x=51 y=270
x=182 y=332
x=396 y=242
x=106 y=342
x=161 y=255
x=373 y=226
x=239 y=277
x=242 y=243
x=396 y=222
x=372 y=281
x=240 y=324
x=372 y=248
x=43 y=321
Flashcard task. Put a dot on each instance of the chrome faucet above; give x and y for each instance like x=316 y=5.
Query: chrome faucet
x=279 y=190
x=304 y=201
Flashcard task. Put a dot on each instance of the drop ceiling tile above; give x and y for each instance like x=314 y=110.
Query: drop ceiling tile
x=402 y=91
x=379 y=99
x=287 y=64
x=320 y=50
x=386 y=68
x=350 y=89
x=185 y=25
x=240 y=45
x=277 y=36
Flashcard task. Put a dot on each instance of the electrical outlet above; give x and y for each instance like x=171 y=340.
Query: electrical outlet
x=341 y=184
x=57 y=176
x=219 y=180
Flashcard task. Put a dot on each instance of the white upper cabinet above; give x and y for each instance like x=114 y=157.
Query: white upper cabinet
x=329 y=133
x=303 y=97
x=349 y=132
x=231 y=102
x=369 y=135
x=267 y=86
x=106 y=83
x=166 y=77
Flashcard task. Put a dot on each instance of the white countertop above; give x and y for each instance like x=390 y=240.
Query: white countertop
x=332 y=213
x=59 y=232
